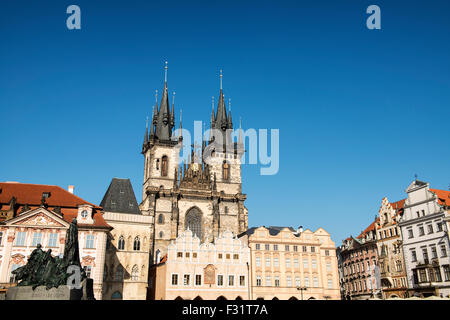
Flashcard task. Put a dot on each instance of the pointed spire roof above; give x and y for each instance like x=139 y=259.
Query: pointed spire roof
x=172 y=111
x=146 y=132
x=163 y=127
x=221 y=121
x=155 y=115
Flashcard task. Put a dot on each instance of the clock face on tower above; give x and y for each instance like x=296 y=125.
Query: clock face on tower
x=84 y=214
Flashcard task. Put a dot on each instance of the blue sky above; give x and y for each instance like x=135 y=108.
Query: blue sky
x=359 y=111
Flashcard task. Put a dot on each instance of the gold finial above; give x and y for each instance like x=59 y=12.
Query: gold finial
x=156 y=96
x=229 y=105
x=173 y=98
x=220 y=79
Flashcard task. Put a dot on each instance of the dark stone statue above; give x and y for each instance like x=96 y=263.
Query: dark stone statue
x=42 y=269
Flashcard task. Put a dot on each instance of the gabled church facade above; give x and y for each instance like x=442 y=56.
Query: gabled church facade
x=204 y=196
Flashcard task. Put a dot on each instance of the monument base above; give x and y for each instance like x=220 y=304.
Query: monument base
x=86 y=292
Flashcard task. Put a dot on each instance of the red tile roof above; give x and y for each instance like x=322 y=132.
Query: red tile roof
x=31 y=194
x=443 y=196
x=369 y=228
x=398 y=204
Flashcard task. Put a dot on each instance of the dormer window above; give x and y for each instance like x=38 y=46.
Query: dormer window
x=46 y=195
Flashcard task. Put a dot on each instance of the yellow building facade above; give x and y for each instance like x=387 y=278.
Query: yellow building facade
x=289 y=264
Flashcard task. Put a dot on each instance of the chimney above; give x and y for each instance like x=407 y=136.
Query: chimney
x=70 y=189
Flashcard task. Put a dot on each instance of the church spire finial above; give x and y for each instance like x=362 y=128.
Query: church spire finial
x=156 y=95
x=165 y=72
x=221 y=79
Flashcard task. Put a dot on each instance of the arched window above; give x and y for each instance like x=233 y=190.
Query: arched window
x=135 y=273
x=225 y=171
x=116 y=296
x=121 y=245
x=137 y=244
x=119 y=273
x=164 y=166
x=161 y=234
x=194 y=222
x=161 y=218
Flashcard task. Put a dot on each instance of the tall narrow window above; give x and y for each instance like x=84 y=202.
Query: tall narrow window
x=121 y=244
x=135 y=273
x=164 y=166
x=52 y=239
x=230 y=281
x=174 y=279
x=186 y=279
x=90 y=241
x=137 y=244
x=226 y=171
x=1 y=237
x=37 y=237
x=160 y=218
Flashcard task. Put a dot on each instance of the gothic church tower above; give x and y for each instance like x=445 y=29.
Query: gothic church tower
x=204 y=196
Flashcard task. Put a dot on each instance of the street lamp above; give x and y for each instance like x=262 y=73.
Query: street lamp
x=301 y=290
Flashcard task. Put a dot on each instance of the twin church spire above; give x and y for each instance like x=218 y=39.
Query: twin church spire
x=163 y=117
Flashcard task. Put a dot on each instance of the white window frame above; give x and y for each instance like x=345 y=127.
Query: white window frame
x=195 y=280
x=171 y=279
x=220 y=285
x=184 y=281
x=23 y=243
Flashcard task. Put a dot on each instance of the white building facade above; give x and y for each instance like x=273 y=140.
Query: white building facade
x=203 y=271
x=425 y=241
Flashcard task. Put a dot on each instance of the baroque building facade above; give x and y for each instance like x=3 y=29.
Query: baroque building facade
x=195 y=270
x=41 y=214
x=390 y=250
x=426 y=240
x=128 y=246
x=289 y=264
x=359 y=266
x=204 y=193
